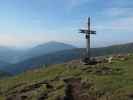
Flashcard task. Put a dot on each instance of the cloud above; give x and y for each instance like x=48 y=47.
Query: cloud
x=117 y=12
x=122 y=25
x=117 y=20
x=29 y=40
x=122 y=3
x=15 y=40
x=76 y=3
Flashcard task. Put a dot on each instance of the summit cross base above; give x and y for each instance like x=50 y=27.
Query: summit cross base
x=88 y=61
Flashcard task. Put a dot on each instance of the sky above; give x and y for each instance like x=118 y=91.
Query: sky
x=25 y=23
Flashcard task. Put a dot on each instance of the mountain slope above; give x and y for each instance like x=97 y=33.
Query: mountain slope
x=65 y=56
x=46 y=48
x=115 y=49
x=52 y=58
x=3 y=64
x=16 y=55
x=4 y=74
x=106 y=81
x=8 y=54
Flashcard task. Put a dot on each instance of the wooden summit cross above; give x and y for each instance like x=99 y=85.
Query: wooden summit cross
x=87 y=33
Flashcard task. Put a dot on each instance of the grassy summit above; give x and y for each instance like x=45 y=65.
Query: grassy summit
x=108 y=81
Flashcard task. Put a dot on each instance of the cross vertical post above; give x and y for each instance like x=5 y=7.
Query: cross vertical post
x=88 y=41
x=87 y=33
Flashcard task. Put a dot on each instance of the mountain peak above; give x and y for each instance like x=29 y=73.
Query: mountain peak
x=55 y=43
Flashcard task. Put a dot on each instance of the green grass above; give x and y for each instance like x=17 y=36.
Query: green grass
x=118 y=84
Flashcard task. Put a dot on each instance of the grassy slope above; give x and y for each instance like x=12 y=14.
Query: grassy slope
x=118 y=84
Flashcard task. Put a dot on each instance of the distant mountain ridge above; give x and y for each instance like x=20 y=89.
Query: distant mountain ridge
x=9 y=56
x=46 y=48
x=51 y=58
x=14 y=55
x=67 y=55
x=3 y=64
x=62 y=56
x=4 y=74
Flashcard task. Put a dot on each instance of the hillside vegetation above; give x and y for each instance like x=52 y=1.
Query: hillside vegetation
x=105 y=81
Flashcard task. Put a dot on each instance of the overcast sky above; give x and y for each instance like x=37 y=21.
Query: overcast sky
x=25 y=23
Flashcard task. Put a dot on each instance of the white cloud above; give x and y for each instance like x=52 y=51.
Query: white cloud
x=117 y=20
x=29 y=40
x=76 y=3
x=117 y=12
x=123 y=24
x=21 y=40
x=119 y=25
x=122 y=3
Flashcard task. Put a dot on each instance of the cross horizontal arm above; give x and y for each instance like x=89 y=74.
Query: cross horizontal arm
x=87 y=31
x=83 y=31
x=92 y=32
